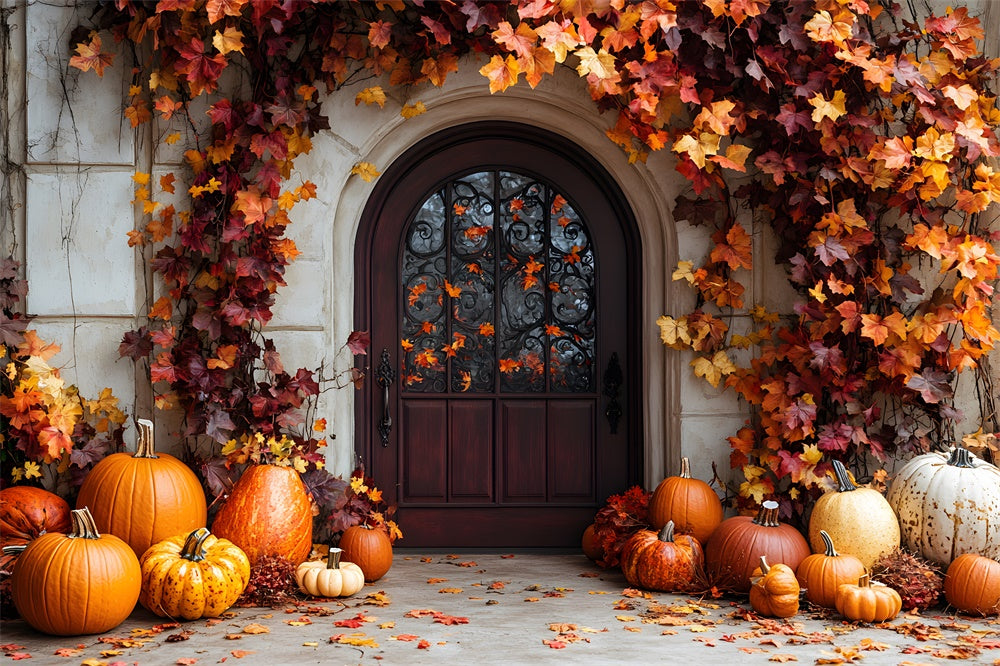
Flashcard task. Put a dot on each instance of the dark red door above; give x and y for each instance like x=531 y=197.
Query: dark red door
x=498 y=283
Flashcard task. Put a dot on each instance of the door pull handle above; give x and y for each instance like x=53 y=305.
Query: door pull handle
x=384 y=376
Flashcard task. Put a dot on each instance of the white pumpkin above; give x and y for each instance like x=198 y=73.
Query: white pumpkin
x=331 y=578
x=948 y=505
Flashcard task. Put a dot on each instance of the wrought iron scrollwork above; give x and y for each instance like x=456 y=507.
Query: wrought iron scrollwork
x=612 y=386
x=384 y=376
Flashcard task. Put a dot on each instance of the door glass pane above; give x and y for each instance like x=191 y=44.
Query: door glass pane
x=498 y=277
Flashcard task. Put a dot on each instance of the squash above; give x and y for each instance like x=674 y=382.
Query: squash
x=859 y=520
x=268 y=512
x=145 y=497
x=331 y=578
x=193 y=576
x=369 y=548
x=972 y=584
x=26 y=513
x=774 y=590
x=947 y=506
x=661 y=561
x=83 y=582
x=734 y=549
x=591 y=546
x=867 y=601
x=690 y=503
x=821 y=574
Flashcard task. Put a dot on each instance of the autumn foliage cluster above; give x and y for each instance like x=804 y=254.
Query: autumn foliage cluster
x=859 y=138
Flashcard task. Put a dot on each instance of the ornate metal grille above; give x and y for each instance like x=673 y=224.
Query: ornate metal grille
x=498 y=276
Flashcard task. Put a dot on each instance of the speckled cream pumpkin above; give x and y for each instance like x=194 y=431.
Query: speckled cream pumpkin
x=859 y=520
x=193 y=576
x=330 y=578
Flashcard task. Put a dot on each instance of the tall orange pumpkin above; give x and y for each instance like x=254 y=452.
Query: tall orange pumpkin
x=145 y=497
x=368 y=547
x=268 y=512
x=83 y=582
x=734 y=549
x=690 y=503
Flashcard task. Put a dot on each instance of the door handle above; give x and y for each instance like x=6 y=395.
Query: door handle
x=612 y=385
x=384 y=376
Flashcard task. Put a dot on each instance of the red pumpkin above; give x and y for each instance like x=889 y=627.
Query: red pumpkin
x=145 y=497
x=27 y=513
x=369 y=548
x=268 y=512
x=734 y=549
x=691 y=504
x=591 y=546
x=661 y=561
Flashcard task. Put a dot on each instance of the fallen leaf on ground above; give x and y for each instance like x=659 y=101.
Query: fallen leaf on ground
x=554 y=644
x=423 y=645
x=239 y=654
x=186 y=661
x=404 y=637
x=255 y=628
x=180 y=636
x=450 y=590
x=435 y=581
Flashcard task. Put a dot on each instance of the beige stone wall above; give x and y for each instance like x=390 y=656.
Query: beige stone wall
x=87 y=287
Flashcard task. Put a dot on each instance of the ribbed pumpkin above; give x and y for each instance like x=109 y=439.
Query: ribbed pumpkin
x=948 y=505
x=145 y=497
x=661 y=560
x=734 y=549
x=331 y=578
x=268 y=512
x=821 y=574
x=369 y=548
x=26 y=513
x=193 y=576
x=690 y=503
x=774 y=591
x=867 y=601
x=591 y=546
x=859 y=520
x=83 y=582
x=972 y=584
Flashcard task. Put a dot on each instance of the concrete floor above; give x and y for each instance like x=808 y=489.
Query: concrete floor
x=505 y=608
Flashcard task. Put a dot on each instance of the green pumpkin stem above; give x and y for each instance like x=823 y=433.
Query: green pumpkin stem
x=194 y=545
x=667 y=532
x=844 y=483
x=333 y=558
x=685 y=468
x=768 y=514
x=830 y=550
x=144 y=444
x=961 y=457
x=83 y=525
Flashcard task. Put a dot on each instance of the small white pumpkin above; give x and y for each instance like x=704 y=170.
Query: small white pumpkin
x=948 y=505
x=332 y=578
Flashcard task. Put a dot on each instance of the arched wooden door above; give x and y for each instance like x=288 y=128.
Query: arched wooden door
x=499 y=279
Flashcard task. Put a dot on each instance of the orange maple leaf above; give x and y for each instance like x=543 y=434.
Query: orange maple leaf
x=486 y=329
x=508 y=365
x=162 y=309
x=32 y=345
x=553 y=330
x=416 y=291
x=502 y=73
x=734 y=248
x=452 y=290
x=225 y=357
x=252 y=204
x=89 y=56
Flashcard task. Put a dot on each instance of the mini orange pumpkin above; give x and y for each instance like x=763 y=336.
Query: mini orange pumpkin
x=369 y=548
x=661 y=561
x=690 y=503
x=821 y=574
x=868 y=601
x=774 y=590
x=591 y=546
x=972 y=584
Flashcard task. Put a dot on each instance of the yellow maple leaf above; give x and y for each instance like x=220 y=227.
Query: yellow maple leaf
x=599 y=63
x=832 y=109
x=684 y=272
x=372 y=95
x=674 y=332
x=714 y=368
x=228 y=40
x=366 y=171
x=411 y=110
x=697 y=149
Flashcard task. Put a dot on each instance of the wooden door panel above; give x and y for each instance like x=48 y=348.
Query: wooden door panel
x=523 y=436
x=471 y=451
x=570 y=450
x=424 y=445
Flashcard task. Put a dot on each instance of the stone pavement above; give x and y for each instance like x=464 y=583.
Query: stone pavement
x=518 y=607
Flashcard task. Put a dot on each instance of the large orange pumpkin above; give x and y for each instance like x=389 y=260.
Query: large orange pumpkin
x=369 y=548
x=661 y=561
x=268 y=512
x=26 y=513
x=734 y=549
x=83 y=582
x=690 y=503
x=145 y=497
x=972 y=584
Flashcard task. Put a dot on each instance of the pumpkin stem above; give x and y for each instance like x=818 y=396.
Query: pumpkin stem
x=865 y=580
x=333 y=558
x=830 y=550
x=83 y=525
x=764 y=566
x=768 y=514
x=844 y=483
x=961 y=457
x=667 y=533
x=144 y=444
x=685 y=468
x=14 y=550
x=194 y=545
